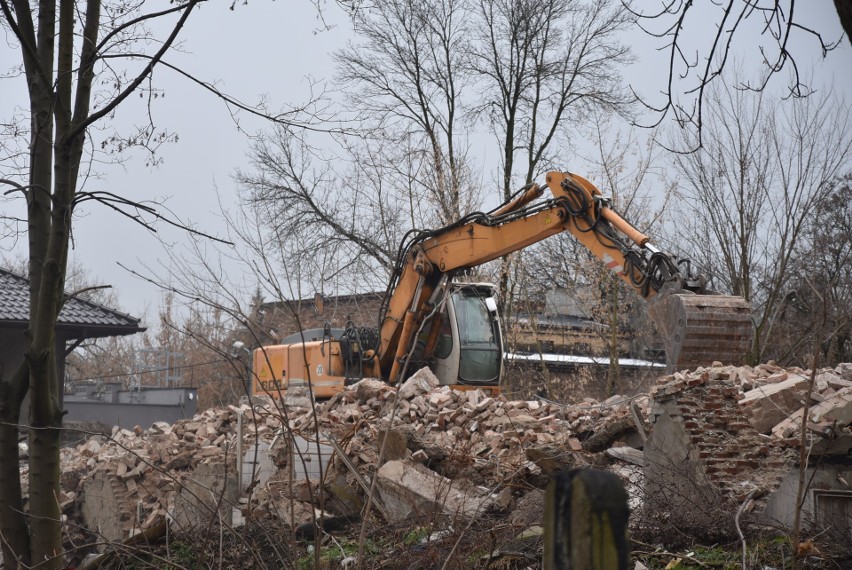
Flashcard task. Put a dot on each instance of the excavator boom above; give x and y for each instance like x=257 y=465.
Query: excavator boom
x=698 y=326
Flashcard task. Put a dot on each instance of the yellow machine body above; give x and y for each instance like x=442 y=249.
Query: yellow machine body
x=698 y=326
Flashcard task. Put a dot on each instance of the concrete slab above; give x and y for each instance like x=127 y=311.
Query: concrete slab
x=410 y=489
x=772 y=403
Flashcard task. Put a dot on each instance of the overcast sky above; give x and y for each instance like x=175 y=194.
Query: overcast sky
x=262 y=49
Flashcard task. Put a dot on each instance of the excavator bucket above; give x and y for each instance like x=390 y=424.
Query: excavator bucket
x=700 y=329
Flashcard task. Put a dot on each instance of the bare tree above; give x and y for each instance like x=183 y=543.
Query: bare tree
x=406 y=78
x=820 y=284
x=62 y=51
x=327 y=221
x=80 y=62
x=542 y=69
x=748 y=193
x=339 y=215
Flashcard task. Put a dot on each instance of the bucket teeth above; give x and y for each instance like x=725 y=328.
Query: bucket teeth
x=700 y=329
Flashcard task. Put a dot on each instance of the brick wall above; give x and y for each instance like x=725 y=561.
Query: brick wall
x=703 y=457
x=733 y=454
x=288 y=318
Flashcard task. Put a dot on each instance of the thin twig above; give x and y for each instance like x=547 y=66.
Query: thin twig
x=740 y=511
x=666 y=554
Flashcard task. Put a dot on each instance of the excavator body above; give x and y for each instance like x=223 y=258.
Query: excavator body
x=429 y=319
x=461 y=342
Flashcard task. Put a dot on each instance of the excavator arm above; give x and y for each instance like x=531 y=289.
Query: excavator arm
x=698 y=326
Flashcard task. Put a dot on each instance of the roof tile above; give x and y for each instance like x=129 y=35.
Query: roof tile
x=15 y=307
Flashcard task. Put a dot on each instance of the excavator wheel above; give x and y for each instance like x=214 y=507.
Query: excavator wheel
x=700 y=329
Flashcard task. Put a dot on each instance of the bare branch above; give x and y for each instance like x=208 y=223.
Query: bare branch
x=115 y=202
x=732 y=19
x=81 y=123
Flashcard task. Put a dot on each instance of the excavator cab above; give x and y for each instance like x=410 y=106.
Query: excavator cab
x=469 y=346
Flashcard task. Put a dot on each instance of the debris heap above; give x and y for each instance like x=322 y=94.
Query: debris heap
x=433 y=450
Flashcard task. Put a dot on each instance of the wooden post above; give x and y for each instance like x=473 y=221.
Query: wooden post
x=585 y=522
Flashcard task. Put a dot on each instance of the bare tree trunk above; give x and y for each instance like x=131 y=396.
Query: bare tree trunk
x=13 y=523
x=45 y=538
x=45 y=411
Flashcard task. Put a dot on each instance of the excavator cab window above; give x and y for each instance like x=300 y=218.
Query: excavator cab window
x=444 y=347
x=480 y=355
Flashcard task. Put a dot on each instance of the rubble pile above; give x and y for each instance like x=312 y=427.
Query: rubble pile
x=132 y=479
x=433 y=449
x=432 y=409
x=773 y=398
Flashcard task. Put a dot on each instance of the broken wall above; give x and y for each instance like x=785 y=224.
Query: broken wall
x=703 y=456
x=211 y=491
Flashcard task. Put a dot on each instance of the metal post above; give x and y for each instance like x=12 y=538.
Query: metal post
x=240 y=450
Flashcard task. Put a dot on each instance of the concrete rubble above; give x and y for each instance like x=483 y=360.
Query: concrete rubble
x=436 y=452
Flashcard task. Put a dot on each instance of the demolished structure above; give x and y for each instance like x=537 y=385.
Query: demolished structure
x=703 y=441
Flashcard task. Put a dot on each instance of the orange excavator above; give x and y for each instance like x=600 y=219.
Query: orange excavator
x=454 y=328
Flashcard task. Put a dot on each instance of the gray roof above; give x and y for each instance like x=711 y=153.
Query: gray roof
x=78 y=318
